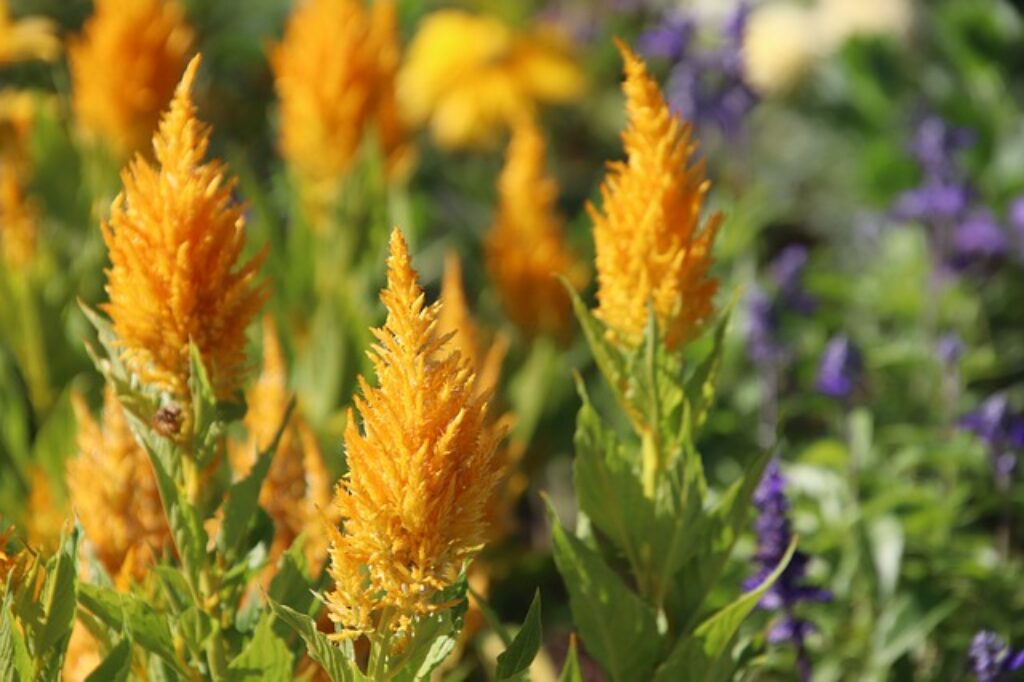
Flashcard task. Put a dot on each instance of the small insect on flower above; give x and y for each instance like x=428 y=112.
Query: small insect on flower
x=472 y=77
x=149 y=42
x=422 y=469
x=651 y=247
x=114 y=493
x=335 y=72
x=27 y=38
x=526 y=249
x=176 y=237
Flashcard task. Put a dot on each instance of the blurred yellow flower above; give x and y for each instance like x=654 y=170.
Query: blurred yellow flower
x=335 y=73
x=422 y=470
x=8 y=562
x=124 y=68
x=651 y=248
x=176 y=237
x=45 y=513
x=114 y=493
x=526 y=249
x=472 y=77
x=780 y=44
x=83 y=655
x=26 y=38
x=297 y=486
x=17 y=220
x=839 y=20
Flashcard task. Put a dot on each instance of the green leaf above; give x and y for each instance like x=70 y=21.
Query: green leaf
x=243 y=497
x=116 y=666
x=265 y=657
x=204 y=403
x=700 y=386
x=59 y=598
x=15 y=663
x=338 y=667
x=571 y=671
x=195 y=627
x=127 y=613
x=520 y=654
x=618 y=628
x=704 y=654
x=608 y=358
x=291 y=585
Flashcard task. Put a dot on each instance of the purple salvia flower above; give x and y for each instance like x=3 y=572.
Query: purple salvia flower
x=670 y=40
x=978 y=238
x=840 y=368
x=788 y=272
x=950 y=348
x=991 y=659
x=762 y=322
x=1001 y=430
x=774 y=536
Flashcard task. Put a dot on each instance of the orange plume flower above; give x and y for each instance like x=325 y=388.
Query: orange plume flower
x=175 y=238
x=114 y=492
x=17 y=221
x=422 y=470
x=124 y=68
x=27 y=38
x=526 y=248
x=335 y=72
x=297 y=485
x=651 y=248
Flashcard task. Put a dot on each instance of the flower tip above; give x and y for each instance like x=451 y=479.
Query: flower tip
x=189 y=76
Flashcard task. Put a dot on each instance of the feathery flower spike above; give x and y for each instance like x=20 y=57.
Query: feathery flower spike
x=149 y=42
x=335 y=72
x=297 y=485
x=651 y=247
x=175 y=237
x=526 y=248
x=114 y=492
x=422 y=469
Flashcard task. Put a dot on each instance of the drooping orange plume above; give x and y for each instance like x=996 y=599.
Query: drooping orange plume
x=651 y=247
x=422 y=468
x=176 y=238
x=124 y=68
x=526 y=248
x=335 y=72
x=114 y=492
x=297 y=487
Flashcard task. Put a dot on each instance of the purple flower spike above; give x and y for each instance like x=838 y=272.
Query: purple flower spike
x=991 y=659
x=950 y=348
x=840 y=368
x=1002 y=431
x=979 y=237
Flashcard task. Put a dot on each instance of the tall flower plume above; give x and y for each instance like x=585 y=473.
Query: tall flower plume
x=651 y=247
x=526 y=248
x=335 y=74
x=124 y=68
x=27 y=38
x=114 y=492
x=472 y=77
x=422 y=469
x=175 y=238
x=297 y=485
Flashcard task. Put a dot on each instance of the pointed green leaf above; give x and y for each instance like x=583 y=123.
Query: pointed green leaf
x=524 y=647
x=608 y=358
x=291 y=585
x=338 y=667
x=618 y=628
x=59 y=597
x=265 y=657
x=700 y=386
x=571 y=671
x=15 y=663
x=704 y=655
x=116 y=666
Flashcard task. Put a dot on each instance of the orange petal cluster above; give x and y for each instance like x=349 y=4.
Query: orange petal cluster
x=651 y=247
x=175 y=238
x=526 y=247
x=124 y=68
x=297 y=486
x=471 y=77
x=335 y=72
x=422 y=469
x=28 y=38
x=114 y=493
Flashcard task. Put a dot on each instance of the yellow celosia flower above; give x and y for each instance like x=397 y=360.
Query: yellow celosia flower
x=27 y=38
x=17 y=220
x=175 y=238
x=297 y=486
x=124 y=68
x=421 y=470
x=335 y=73
x=526 y=249
x=83 y=655
x=472 y=77
x=45 y=515
x=651 y=249
x=114 y=492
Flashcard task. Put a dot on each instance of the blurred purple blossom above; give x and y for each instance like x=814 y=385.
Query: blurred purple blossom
x=950 y=348
x=774 y=536
x=992 y=659
x=1002 y=430
x=765 y=307
x=978 y=237
x=704 y=84
x=840 y=368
